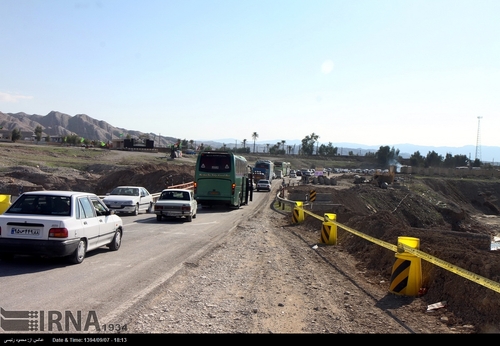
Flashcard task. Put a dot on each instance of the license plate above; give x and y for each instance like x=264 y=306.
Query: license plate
x=25 y=231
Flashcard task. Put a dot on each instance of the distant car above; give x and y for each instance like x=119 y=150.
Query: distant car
x=58 y=224
x=293 y=175
x=129 y=200
x=176 y=203
x=264 y=185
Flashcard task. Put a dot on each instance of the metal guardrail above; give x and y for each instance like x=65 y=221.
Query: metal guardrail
x=400 y=248
x=155 y=195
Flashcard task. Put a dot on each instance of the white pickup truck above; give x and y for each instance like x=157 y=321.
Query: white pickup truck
x=176 y=203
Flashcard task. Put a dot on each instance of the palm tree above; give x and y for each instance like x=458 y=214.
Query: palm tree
x=244 y=143
x=283 y=144
x=255 y=135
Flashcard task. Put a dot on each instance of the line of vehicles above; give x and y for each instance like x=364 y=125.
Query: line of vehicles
x=69 y=224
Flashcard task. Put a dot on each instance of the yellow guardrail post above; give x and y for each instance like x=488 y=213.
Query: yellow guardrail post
x=4 y=203
x=329 y=230
x=406 y=278
x=298 y=213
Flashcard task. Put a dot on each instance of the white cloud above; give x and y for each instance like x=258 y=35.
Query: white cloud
x=327 y=66
x=9 y=98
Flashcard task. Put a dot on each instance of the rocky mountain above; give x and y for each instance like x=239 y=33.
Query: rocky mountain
x=60 y=124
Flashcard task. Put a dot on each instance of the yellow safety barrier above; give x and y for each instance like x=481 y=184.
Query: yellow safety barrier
x=408 y=246
x=298 y=213
x=4 y=203
x=406 y=278
x=329 y=230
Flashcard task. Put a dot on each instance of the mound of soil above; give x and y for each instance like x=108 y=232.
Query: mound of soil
x=99 y=179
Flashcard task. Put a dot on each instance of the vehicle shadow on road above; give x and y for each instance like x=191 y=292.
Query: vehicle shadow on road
x=24 y=264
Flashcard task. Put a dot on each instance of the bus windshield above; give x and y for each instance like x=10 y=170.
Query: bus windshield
x=215 y=163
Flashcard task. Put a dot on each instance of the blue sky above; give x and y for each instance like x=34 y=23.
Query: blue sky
x=368 y=72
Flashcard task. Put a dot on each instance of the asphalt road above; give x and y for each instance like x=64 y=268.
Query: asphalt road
x=108 y=282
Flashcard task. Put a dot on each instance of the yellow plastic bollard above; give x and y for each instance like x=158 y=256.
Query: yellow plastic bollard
x=298 y=213
x=406 y=278
x=329 y=230
x=4 y=203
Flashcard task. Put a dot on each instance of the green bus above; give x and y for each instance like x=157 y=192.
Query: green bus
x=221 y=178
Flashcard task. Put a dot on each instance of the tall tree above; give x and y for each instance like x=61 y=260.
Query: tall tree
x=387 y=156
x=308 y=143
x=15 y=135
x=255 y=135
x=433 y=159
x=38 y=133
x=416 y=159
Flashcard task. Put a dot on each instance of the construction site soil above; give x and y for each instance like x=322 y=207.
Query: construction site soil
x=455 y=221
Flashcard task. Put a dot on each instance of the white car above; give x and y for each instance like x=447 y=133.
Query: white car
x=176 y=203
x=58 y=224
x=263 y=184
x=129 y=200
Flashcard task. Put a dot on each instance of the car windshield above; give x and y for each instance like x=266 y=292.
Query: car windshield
x=125 y=191
x=41 y=205
x=175 y=195
x=264 y=181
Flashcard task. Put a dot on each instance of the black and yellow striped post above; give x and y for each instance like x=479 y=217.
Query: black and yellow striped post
x=406 y=278
x=298 y=212
x=312 y=196
x=329 y=230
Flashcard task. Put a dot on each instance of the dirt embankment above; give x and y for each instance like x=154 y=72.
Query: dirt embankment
x=455 y=221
